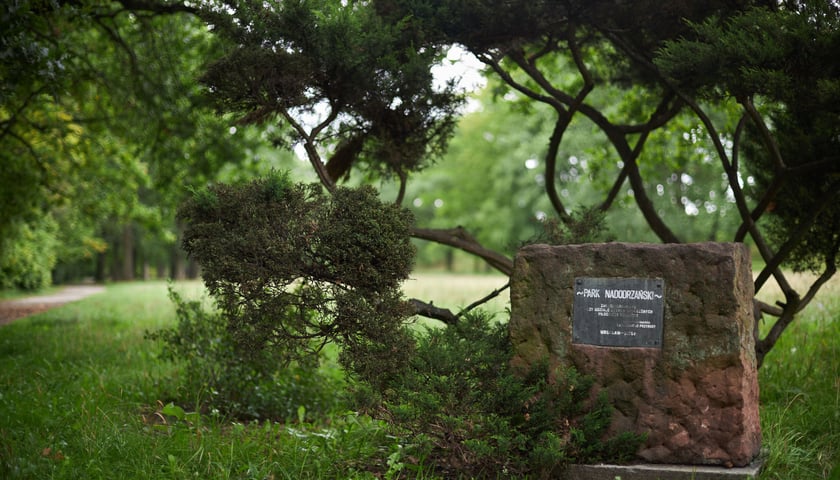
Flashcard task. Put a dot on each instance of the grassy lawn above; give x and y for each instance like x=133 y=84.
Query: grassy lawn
x=83 y=395
x=800 y=393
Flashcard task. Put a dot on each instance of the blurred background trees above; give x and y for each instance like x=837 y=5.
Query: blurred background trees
x=102 y=126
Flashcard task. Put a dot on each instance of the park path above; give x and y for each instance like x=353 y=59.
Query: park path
x=11 y=310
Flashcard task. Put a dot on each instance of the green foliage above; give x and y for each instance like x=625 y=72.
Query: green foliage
x=371 y=84
x=585 y=226
x=226 y=376
x=472 y=414
x=101 y=120
x=292 y=269
x=784 y=59
x=27 y=254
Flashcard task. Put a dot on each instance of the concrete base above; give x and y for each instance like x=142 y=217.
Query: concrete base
x=651 y=471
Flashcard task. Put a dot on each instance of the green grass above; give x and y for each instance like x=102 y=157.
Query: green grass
x=800 y=394
x=456 y=291
x=83 y=395
x=80 y=397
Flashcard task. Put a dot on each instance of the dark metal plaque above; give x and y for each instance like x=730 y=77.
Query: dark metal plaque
x=618 y=312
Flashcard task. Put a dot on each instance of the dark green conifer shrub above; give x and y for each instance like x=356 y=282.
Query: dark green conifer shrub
x=583 y=226
x=474 y=415
x=292 y=269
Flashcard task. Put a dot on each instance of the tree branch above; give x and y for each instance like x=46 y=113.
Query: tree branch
x=776 y=185
x=766 y=136
x=459 y=238
x=731 y=174
x=830 y=270
x=495 y=293
x=828 y=199
x=401 y=193
x=616 y=188
x=430 y=311
x=791 y=309
x=740 y=198
x=156 y=7
x=507 y=78
x=311 y=150
x=554 y=141
x=563 y=121
x=653 y=123
x=770 y=309
x=120 y=42
x=560 y=100
x=445 y=315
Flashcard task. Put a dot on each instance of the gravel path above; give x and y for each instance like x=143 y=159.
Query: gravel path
x=11 y=310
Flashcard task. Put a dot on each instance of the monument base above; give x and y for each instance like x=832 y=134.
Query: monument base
x=652 y=471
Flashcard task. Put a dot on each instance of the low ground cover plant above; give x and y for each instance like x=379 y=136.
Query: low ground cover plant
x=474 y=415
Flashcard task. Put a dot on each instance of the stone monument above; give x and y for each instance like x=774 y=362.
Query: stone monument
x=665 y=330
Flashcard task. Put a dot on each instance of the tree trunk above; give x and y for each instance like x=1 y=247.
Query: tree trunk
x=161 y=269
x=126 y=271
x=99 y=274
x=179 y=264
x=193 y=269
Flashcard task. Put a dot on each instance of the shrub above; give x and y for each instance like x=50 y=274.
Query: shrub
x=219 y=374
x=474 y=415
x=293 y=269
x=583 y=226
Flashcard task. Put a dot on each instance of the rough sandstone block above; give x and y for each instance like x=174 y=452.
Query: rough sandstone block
x=697 y=396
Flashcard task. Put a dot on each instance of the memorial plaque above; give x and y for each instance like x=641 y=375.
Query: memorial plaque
x=618 y=312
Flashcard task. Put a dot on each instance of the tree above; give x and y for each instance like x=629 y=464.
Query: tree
x=351 y=82
x=506 y=141
x=779 y=72
x=344 y=83
x=100 y=116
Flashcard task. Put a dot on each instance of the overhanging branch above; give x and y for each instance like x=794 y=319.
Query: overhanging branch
x=459 y=238
x=428 y=310
x=445 y=315
x=827 y=200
